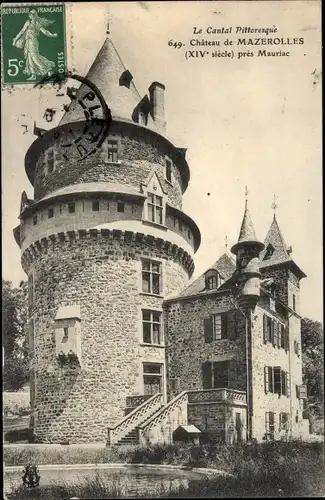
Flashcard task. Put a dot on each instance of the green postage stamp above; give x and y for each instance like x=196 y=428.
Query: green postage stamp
x=33 y=43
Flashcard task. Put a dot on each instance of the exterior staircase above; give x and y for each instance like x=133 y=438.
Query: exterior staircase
x=130 y=438
x=153 y=422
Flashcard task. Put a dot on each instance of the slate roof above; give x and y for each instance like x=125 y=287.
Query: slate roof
x=281 y=254
x=225 y=266
x=247 y=232
x=107 y=73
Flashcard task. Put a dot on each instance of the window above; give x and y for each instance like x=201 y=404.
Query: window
x=212 y=282
x=71 y=208
x=155 y=208
x=216 y=327
x=284 y=421
x=151 y=277
x=189 y=234
x=152 y=378
x=269 y=252
x=112 y=151
x=269 y=424
x=34 y=220
x=143 y=118
x=65 y=334
x=151 y=325
x=168 y=170
x=215 y=375
x=95 y=206
x=293 y=302
x=120 y=206
x=276 y=380
x=108 y=205
x=180 y=225
x=50 y=213
x=268 y=329
x=30 y=289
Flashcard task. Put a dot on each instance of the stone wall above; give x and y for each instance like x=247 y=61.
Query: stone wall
x=267 y=355
x=103 y=277
x=84 y=217
x=186 y=349
x=139 y=155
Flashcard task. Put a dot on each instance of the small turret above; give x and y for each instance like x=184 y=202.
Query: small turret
x=247 y=250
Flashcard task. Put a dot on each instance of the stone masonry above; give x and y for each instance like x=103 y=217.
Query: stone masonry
x=85 y=239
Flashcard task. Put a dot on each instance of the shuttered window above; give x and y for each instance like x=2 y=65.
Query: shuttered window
x=215 y=328
x=206 y=375
x=276 y=334
x=265 y=332
x=266 y=379
x=284 y=421
x=215 y=375
x=208 y=330
x=277 y=379
x=269 y=423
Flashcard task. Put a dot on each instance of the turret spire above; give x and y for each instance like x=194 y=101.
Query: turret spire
x=247 y=232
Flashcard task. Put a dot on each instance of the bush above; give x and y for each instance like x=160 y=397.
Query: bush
x=293 y=468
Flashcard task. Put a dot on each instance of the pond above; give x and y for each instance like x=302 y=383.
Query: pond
x=130 y=480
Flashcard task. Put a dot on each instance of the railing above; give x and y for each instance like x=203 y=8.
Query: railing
x=134 y=418
x=179 y=402
x=134 y=401
x=216 y=395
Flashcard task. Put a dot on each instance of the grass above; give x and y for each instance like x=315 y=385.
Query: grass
x=273 y=469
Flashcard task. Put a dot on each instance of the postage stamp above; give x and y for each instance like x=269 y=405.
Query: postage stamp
x=33 y=43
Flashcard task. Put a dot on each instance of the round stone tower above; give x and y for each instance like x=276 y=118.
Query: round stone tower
x=103 y=242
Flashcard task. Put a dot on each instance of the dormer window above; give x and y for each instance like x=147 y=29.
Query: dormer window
x=269 y=252
x=211 y=280
x=143 y=118
x=212 y=283
x=155 y=208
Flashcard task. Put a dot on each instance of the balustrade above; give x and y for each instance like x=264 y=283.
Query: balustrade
x=134 y=418
x=217 y=395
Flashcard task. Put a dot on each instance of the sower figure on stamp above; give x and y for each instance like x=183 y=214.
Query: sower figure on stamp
x=26 y=39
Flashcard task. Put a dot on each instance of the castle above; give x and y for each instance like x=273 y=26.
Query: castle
x=122 y=349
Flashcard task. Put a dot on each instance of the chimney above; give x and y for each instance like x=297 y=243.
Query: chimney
x=157 y=101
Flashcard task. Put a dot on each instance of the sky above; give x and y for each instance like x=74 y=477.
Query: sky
x=252 y=122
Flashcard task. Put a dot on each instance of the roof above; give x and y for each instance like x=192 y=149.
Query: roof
x=281 y=253
x=225 y=266
x=68 y=312
x=107 y=73
x=190 y=429
x=247 y=232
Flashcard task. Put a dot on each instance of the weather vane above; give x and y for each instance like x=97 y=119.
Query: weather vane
x=274 y=205
x=108 y=25
x=226 y=242
x=246 y=196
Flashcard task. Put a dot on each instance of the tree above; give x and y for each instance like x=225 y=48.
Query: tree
x=14 y=336
x=313 y=367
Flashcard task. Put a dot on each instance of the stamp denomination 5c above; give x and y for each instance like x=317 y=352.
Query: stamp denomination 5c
x=33 y=42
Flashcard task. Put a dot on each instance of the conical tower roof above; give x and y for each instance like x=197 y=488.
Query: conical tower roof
x=276 y=251
x=274 y=237
x=246 y=233
x=114 y=82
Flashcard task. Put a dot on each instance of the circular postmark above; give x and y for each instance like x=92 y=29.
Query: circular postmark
x=87 y=141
